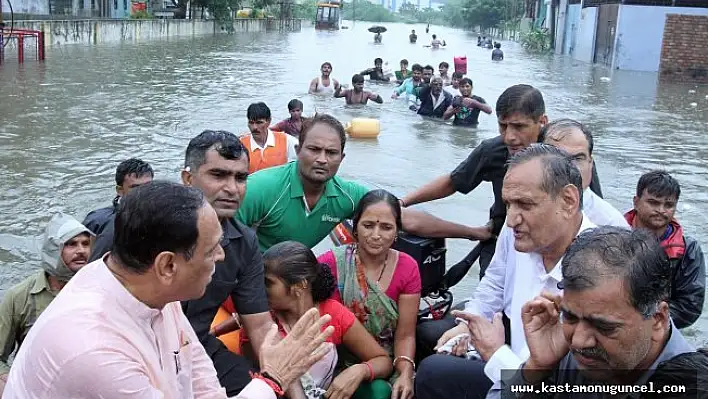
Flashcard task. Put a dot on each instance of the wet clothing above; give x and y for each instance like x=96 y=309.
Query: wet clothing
x=279 y=148
x=408 y=86
x=322 y=89
x=400 y=77
x=375 y=74
x=98 y=219
x=275 y=206
x=497 y=55
x=567 y=372
x=20 y=309
x=240 y=277
x=466 y=116
x=688 y=273
x=413 y=37
x=431 y=106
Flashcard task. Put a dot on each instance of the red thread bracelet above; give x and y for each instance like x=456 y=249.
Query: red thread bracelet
x=271 y=383
x=371 y=371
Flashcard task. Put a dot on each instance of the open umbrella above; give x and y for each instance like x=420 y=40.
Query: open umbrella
x=377 y=29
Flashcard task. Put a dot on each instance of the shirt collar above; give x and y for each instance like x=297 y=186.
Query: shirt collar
x=270 y=141
x=556 y=273
x=296 y=189
x=41 y=283
x=229 y=231
x=122 y=296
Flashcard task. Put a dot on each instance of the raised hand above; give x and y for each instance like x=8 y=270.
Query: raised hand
x=486 y=337
x=544 y=333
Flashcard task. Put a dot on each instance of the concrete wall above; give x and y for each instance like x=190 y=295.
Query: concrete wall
x=36 y=7
x=572 y=26
x=585 y=37
x=101 y=31
x=640 y=30
x=684 y=53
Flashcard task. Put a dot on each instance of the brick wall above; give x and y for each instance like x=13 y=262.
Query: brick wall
x=684 y=50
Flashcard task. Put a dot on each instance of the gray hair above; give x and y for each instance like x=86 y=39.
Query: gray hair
x=610 y=253
x=560 y=128
x=559 y=170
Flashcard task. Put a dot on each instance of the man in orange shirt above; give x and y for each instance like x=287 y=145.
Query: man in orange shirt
x=266 y=147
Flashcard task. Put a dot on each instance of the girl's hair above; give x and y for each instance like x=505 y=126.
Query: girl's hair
x=295 y=104
x=374 y=197
x=294 y=263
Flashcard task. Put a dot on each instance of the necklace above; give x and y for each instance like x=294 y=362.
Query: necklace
x=383 y=268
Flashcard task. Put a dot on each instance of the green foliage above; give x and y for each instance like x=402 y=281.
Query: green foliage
x=536 y=41
x=362 y=10
x=484 y=14
x=142 y=14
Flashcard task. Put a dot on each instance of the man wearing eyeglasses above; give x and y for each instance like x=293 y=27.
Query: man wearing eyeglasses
x=266 y=148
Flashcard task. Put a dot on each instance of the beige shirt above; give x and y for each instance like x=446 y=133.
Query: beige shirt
x=96 y=340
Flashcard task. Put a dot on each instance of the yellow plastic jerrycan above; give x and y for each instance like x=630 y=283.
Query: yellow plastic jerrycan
x=363 y=128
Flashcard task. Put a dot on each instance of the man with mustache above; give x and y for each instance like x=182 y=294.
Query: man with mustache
x=66 y=247
x=654 y=209
x=433 y=100
x=217 y=163
x=542 y=189
x=303 y=201
x=611 y=325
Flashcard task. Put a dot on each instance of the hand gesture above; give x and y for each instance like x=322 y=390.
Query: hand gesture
x=346 y=383
x=544 y=333
x=486 y=337
x=288 y=359
x=403 y=387
x=461 y=347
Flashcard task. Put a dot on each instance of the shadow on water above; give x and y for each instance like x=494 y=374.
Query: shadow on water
x=67 y=122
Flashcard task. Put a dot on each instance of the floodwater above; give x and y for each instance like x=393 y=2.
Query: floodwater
x=66 y=123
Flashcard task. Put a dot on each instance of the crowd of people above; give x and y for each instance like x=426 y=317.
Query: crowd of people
x=571 y=290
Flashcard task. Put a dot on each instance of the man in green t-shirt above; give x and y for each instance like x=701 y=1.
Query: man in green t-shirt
x=304 y=200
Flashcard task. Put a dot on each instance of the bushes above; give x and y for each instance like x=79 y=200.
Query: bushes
x=536 y=40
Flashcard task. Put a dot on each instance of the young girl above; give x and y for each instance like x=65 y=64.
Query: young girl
x=296 y=282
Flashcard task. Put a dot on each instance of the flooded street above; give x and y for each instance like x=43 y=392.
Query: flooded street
x=65 y=124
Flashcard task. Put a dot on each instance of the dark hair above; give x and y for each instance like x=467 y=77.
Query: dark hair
x=295 y=104
x=257 y=111
x=658 y=183
x=466 y=81
x=132 y=166
x=611 y=252
x=357 y=79
x=294 y=263
x=325 y=119
x=377 y=60
x=434 y=36
x=688 y=369
x=404 y=61
x=373 y=197
x=326 y=63
x=429 y=67
x=156 y=217
x=417 y=67
x=497 y=45
x=444 y=65
x=457 y=75
x=226 y=144
x=524 y=99
x=560 y=128
x=559 y=170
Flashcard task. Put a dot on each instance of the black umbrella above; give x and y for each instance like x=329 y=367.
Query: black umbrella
x=377 y=29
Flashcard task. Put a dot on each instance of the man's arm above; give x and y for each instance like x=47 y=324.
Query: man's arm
x=336 y=83
x=488 y=298
x=375 y=98
x=440 y=187
x=313 y=86
x=250 y=299
x=339 y=93
x=8 y=334
x=427 y=225
x=471 y=102
x=688 y=287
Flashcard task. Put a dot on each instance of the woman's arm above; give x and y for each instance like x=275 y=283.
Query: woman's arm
x=404 y=339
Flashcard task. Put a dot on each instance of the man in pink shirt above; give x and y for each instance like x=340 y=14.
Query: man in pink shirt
x=117 y=329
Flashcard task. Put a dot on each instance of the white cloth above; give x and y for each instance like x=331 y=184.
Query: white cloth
x=512 y=279
x=453 y=91
x=600 y=212
x=322 y=89
x=270 y=142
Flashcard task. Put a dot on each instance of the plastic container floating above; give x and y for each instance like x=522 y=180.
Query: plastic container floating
x=461 y=64
x=363 y=128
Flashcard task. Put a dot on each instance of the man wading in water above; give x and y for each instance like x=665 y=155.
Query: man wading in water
x=357 y=95
x=324 y=84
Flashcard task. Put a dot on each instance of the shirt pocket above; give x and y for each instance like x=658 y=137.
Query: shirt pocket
x=183 y=369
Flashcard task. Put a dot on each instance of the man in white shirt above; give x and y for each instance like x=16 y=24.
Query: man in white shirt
x=576 y=139
x=542 y=189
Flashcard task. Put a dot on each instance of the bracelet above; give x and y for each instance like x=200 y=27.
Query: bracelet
x=272 y=383
x=371 y=371
x=406 y=358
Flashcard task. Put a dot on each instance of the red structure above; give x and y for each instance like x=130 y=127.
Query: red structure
x=19 y=35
